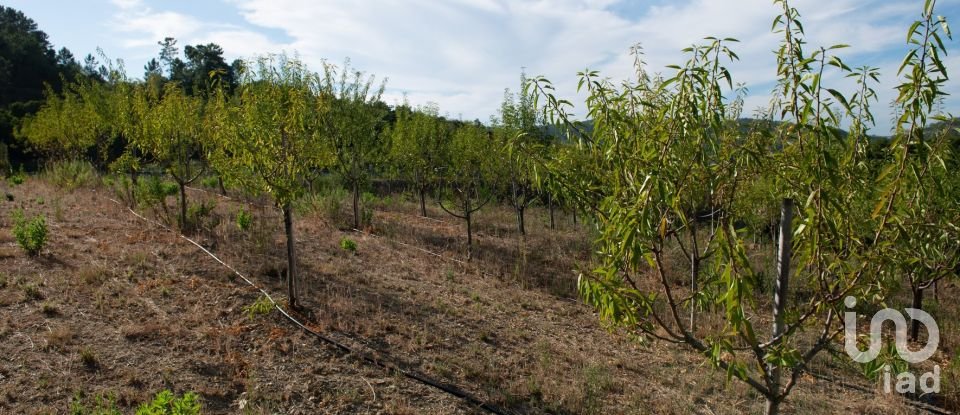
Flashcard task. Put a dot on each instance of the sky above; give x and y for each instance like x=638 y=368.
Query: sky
x=462 y=54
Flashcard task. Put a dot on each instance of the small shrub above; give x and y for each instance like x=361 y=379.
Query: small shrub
x=348 y=245
x=31 y=235
x=31 y=292
x=102 y=405
x=261 y=307
x=596 y=383
x=166 y=403
x=389 y=201
x=49 y=309
x=90 y=274
x=152 y=187
x=16 y=179
x=88 y=358
x=200 y=216
x=888 y=357
x=58 y=338
x=152 y=193
x=327 y=205
x=367 y=202
x=332 y=204
x=210 y=182
x=368 y=199
x=366 y=216
x=122 y=187
x=951 y=383
x=70 y=175
x=244 y=220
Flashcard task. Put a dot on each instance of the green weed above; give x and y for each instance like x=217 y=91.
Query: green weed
x=31 y=234
x=348 y=245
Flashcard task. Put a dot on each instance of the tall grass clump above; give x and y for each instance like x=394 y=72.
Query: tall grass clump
x=70 y=174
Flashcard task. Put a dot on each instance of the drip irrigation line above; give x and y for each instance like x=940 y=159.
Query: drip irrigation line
x=384 y=363
x=909 y=400
x=236 y=199
x=424 y=250
x=450 y=389
x=447 y=258
x=418 y=248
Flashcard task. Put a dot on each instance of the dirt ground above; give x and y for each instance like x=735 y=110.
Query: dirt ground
x=115 y=306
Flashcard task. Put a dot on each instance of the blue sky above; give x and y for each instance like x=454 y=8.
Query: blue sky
x=461 y=54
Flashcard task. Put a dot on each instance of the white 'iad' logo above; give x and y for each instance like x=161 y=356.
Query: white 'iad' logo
x=906 y=381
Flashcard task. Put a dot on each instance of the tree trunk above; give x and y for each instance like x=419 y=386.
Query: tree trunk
x=423 y=203
x=917 y=304
x=574 y=217
x=520 y=227
x=694 y=274
x=291 y=256
x=356 y=205
x=780 y=297
x=183 y=205
x=694 y=271
x=773 y=406
x=223 y=189
x=553 y=223
x=469 y=236
x=134 y=179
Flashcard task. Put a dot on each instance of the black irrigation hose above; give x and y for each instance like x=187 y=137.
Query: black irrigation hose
x=418 y=248
x=447 y=258
x=453 y=390
x=909 y=400
x=382 y=363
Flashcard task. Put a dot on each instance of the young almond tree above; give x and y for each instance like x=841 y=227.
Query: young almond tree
x=643 y=165
x=466 y=175
x=268 y=137
x=168 y=128
x=59 y=129
x=416 y=143
x=922 y=197
x=519 y=125
x=354 y=124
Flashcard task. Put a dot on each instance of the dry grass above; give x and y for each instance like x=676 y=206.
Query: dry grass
x=155 y=313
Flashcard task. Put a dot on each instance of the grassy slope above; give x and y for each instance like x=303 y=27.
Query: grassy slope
x=156 y=313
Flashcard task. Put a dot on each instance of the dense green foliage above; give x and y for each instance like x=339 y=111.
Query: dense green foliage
x=353 y=121
x=467 y=175
x=30 y=234
x=164 y=403
x=417 y=144
x=667 y=167
x=519 y=125
x=168 y=125
x=29 y=66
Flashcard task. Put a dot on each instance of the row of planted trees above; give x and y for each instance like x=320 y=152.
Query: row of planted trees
x=278 y=129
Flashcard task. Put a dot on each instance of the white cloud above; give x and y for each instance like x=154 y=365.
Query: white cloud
x=127 y=4
x=463 y=53
x=153 y=26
